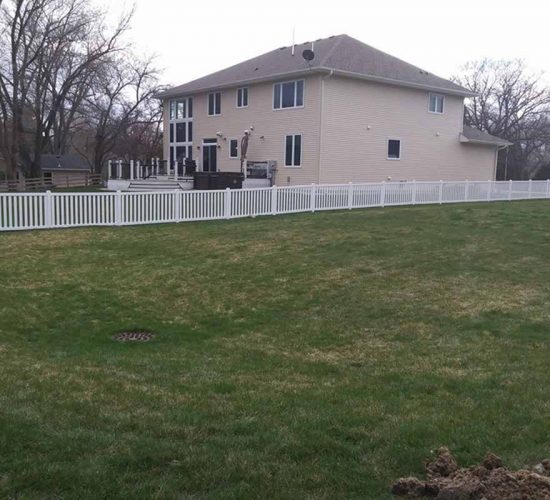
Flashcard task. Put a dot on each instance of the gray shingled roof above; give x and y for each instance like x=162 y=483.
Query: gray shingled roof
x=342 y=54
x=475 y=135
x=64 y=162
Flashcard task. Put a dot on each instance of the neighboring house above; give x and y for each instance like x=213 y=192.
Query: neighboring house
x=64 y=169
x=352 y=113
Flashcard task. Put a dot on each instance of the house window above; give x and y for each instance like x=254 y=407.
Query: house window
x=214 y=104
x=181 y=129
x=436 y=102
x=233 y=148
x=181 y=132
x=242 y=97
x=293 y=150
x=288 y=95
x=394 y=149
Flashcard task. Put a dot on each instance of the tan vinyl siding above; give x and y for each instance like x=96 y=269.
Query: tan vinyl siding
x=267 y=141
x=359 y=117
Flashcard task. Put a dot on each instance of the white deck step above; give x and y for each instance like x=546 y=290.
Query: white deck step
x=158 y=185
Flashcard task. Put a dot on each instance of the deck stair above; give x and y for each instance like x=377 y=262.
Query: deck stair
x=159 y=184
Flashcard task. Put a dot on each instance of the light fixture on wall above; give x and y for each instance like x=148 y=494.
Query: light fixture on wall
x=262 y=138
x=368 y=127
x=219 y=133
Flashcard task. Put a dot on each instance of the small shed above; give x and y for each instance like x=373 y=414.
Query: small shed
x=65 y=169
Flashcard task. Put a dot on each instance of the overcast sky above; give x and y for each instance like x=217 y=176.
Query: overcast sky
x=192 y=37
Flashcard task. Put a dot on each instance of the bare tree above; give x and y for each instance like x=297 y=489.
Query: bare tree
x=513 y=104
x=49 y=52
x=120 y=107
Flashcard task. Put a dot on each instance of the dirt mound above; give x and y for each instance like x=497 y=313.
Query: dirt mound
x=445 y=480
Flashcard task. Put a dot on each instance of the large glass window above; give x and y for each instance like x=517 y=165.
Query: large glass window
x=180 y=132
x=181 y=129
x=293 y=150
x=288 y=94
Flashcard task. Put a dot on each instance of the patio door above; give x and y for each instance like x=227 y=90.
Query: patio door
x=209 y=155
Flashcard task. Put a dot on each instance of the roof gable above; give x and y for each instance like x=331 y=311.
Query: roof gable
x=341 y=53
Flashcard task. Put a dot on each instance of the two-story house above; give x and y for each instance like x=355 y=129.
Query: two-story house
x=347 y=112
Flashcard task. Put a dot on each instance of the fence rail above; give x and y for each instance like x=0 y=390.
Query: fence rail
x=58 y=210
x=43 y=183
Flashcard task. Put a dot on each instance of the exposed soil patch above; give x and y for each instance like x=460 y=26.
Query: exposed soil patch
x=490 y=480
x=133 y=337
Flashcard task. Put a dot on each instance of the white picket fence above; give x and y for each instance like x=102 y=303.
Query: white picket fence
x=58 y=210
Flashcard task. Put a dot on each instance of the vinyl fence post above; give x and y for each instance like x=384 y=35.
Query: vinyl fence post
x=48 y=209
x=274 y=200
x=547 y=188
x=227 y=203
x=530 y=188
x=440 y=192
x=466 y=190
x=131 y=170
x=118 y=208
x=383 y=194
x=109 y=170
x=489 y=189
x=177 y=206
x=119 y=169
x=510 y=190
x=350 y=195
x=312 y=198
x=414 y=192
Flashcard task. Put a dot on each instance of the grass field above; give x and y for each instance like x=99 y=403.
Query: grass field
x=309 y=356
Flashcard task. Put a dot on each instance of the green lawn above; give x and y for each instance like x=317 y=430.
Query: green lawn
x=309 y=356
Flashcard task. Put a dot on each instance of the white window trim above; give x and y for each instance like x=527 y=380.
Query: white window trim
x=430 y=98
x=237 y=97
x=400 y=148
x=301 y=149
x=208 y=101
x=295 y=95
x=233 y=157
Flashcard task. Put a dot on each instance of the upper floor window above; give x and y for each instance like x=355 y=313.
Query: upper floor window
x=180 y=109
x=436 y=103
x=394 y=149
x=293 y=150
x=288 y=94
x=214 y=103
x=242 y=97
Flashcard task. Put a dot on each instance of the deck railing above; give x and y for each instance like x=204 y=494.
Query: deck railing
x=58 y=210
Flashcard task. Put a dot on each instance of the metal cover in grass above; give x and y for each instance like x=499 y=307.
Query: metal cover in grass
x=133 y=337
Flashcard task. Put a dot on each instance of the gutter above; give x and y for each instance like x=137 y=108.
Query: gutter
x=320 y=69
x=501 y=144
x=169 y=94
x=399 y=83
x=321 y=122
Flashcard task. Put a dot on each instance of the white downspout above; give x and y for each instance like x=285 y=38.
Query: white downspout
x=321 y=122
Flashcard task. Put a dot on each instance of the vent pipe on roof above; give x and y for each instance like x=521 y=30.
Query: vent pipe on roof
x=293 y=38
